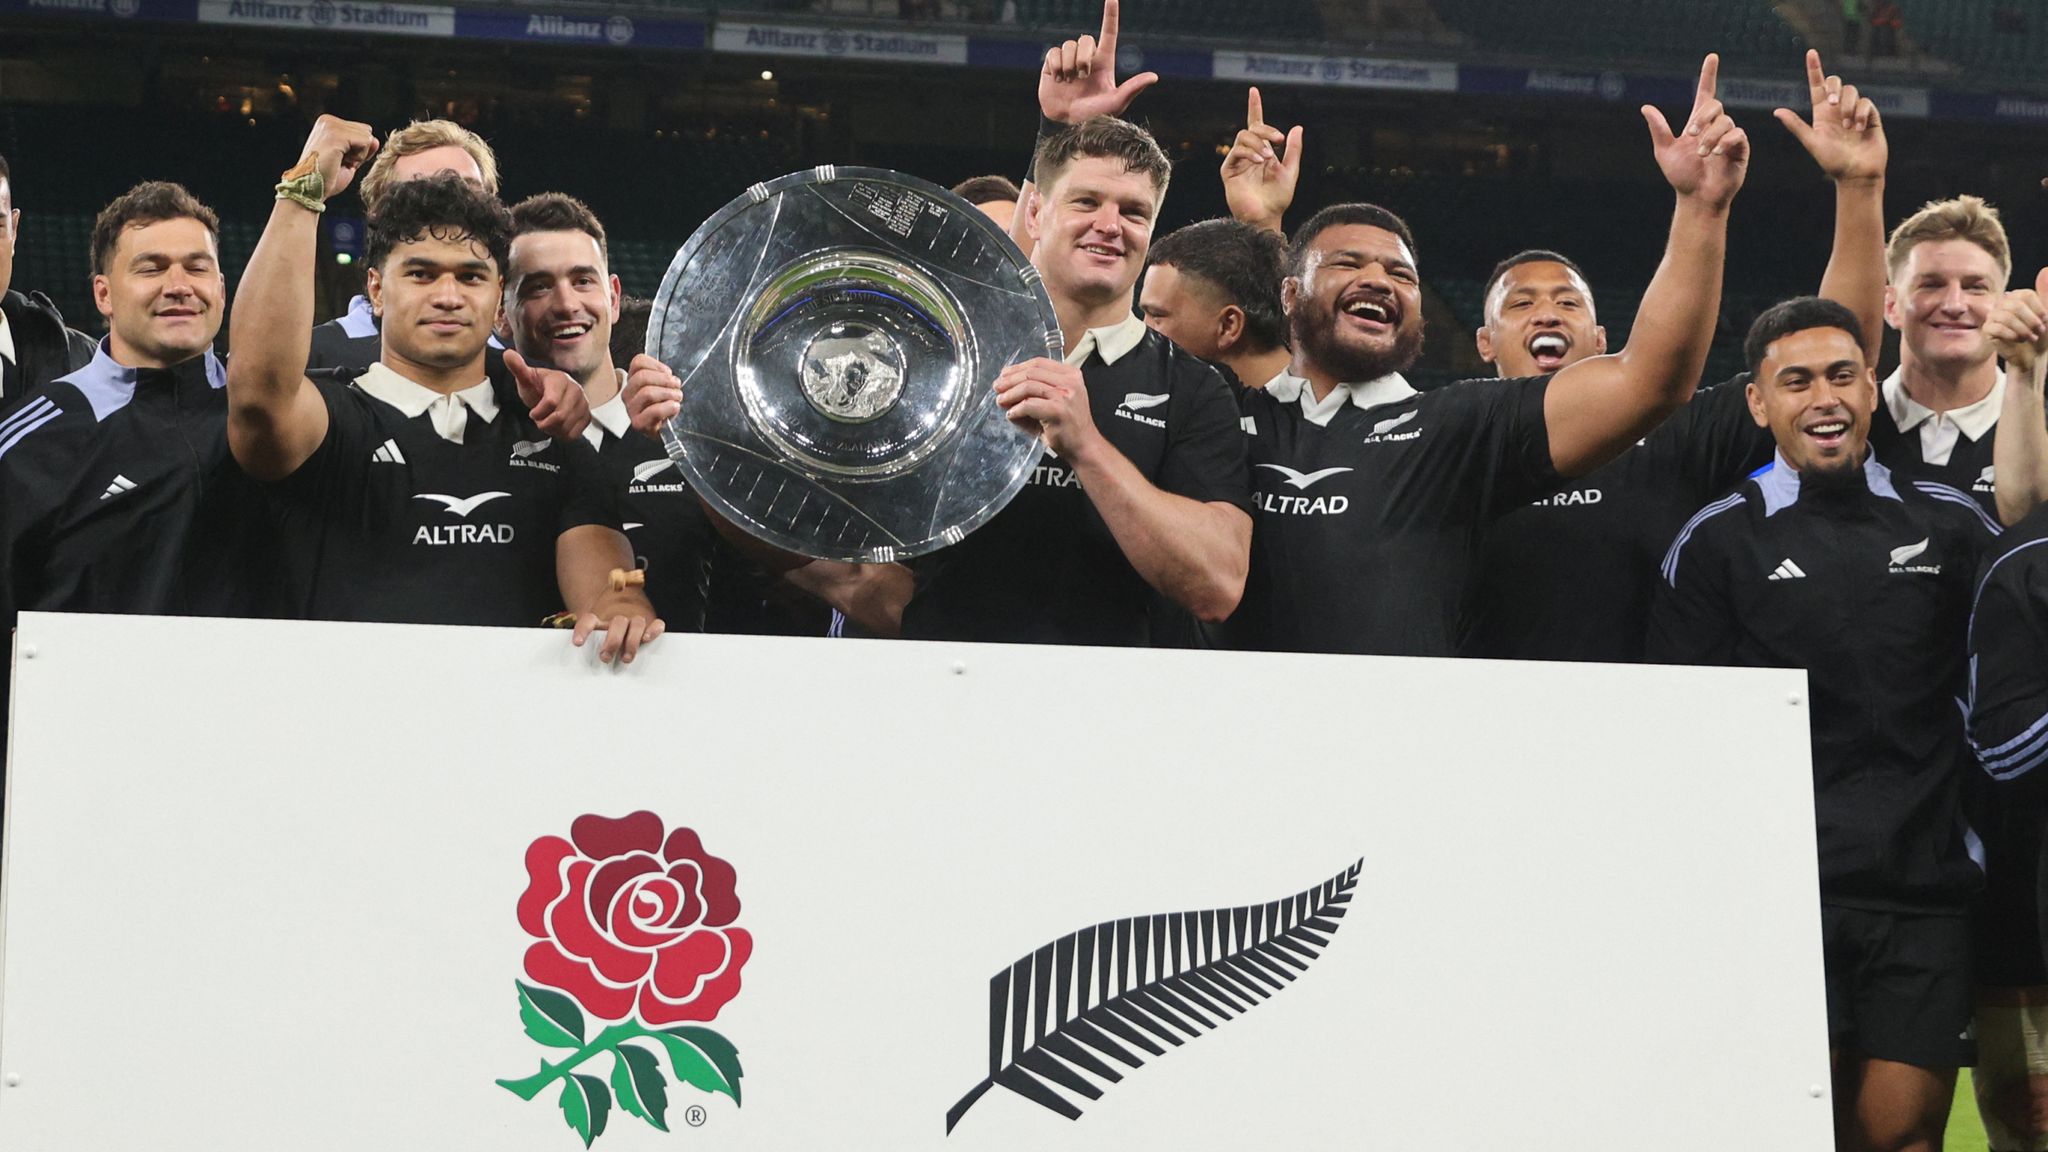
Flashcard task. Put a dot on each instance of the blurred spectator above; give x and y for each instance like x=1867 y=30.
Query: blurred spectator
x=1852 y=25
x=1886 y=22
x=35 y=346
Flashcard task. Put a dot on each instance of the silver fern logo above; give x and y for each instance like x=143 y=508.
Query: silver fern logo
x=1063 y=1018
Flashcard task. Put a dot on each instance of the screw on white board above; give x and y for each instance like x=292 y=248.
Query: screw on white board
x=14 y=1079
x=1815 y=1091
x=1795 y=699
x=28 y=651
x=959 y=668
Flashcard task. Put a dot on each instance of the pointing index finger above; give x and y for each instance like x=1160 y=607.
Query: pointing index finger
x=1106 y=42
x=1816 y=77
x=1255 y=110
x=1710 y=75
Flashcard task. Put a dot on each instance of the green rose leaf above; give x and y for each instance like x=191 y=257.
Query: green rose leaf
x=693 y=1066
x=585 y=1105
x=550 y=1017
x=723 y=1055
x=638 y=1083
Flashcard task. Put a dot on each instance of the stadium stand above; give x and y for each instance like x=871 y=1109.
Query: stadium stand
x=1644 y=30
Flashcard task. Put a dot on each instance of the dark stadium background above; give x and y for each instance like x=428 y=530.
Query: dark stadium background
x=1540 y=145
x=655 y=139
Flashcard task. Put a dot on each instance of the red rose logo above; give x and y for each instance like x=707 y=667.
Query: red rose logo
x=635 y=925
x=629 y=918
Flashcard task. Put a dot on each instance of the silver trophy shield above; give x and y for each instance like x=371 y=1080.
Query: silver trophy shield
x=838 y=334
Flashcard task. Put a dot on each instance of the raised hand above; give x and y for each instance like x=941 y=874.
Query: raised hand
x=1261 y=169
x=1079 y=78
x=337 y=149
x=1708 y=160
x=553 y=399
x=2018 y=325
x=1847 y=135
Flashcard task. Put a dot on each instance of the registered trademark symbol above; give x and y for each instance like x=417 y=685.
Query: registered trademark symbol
x=694 y=1117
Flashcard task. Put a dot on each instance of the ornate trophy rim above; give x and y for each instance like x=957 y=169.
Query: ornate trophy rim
x=956 y=416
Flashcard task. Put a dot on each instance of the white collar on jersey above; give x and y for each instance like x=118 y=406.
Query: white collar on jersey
x=6 y=340
x=1288 y=388
x=1973 y=419
x=1112 y=343
x=609 y=416
x=450 y=410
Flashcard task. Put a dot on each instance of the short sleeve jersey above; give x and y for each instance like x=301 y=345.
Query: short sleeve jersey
x=1046 y=568
x=2009 y=661
x=1864 y=580
x=1571 y=576
x=1367 y=526
x=1966 y=467
x=389 y=521
x=671 y=535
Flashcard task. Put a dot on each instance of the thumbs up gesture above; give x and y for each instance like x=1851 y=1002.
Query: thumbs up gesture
x=2018 y=326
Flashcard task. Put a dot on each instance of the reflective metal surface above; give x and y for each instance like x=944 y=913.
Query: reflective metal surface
x=838 y=334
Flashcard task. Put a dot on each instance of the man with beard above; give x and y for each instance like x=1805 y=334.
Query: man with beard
x=1570 y=577
x=420 y=490
x=1831 y=562
x=561 y=301
x=1373 y=497
x=1214 y=289
x=35 y=346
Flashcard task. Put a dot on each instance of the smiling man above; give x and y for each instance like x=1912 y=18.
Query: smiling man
x=421 y=490
x=1831 y=562
x=1373 y=497
x=420 y=149
x=117 y=491
x=562 y=301
x=1949 y=264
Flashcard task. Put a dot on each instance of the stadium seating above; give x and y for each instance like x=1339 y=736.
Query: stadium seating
x=1620 y=31
x=1998 y=40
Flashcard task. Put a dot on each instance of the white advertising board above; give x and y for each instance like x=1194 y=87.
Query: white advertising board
x=315 y=886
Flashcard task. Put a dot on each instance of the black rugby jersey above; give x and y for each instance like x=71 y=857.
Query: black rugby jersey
x=2009 y=661
x=1571 y=576
x=118 y=494
x=1864 y=580
x=1968 y=467
x=389 y=521
x=1046 y=569
x=1367 y=527
x=671 y=535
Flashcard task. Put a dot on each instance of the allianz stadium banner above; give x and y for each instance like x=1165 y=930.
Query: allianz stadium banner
x=314 y=886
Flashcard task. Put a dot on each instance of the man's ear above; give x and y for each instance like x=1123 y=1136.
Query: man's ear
x=1033 y=205
x=102 y=296
x=1891 y=308
x=1755 y=397
x=1290 y=289
x=1483 y=341
x=1600 y=340
x=1229 y=327
x=373 y=290
x=617 y=293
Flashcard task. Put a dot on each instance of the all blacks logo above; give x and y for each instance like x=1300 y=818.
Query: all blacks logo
x=619 y=30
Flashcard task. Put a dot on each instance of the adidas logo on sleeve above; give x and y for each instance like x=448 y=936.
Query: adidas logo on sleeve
x=1788 y=570
x=121 y=485
x=387 y=453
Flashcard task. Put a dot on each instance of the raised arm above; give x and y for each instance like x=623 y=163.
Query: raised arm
x=1079 y=81
x=2018 y=328
x=1847 y=140
x=1596 y=408
x=1195 y=553
x=1261 y=170
x=276 y=417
